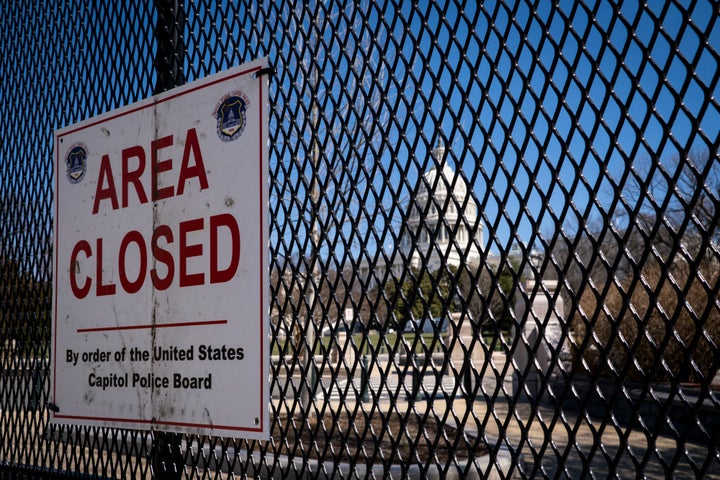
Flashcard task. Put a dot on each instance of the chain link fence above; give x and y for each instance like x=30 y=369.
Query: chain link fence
x=494 y=233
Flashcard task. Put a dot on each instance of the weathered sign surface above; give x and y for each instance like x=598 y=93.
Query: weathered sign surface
x=160 y=308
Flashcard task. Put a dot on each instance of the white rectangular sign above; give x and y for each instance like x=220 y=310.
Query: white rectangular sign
x=160 y=288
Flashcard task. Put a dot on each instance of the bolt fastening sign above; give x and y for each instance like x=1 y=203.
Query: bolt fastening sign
x=160 y=273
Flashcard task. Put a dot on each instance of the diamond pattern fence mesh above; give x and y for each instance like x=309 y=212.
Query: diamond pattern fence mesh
x=493 y=243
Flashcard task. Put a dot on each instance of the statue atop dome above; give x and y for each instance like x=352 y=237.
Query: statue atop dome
x=438 y=152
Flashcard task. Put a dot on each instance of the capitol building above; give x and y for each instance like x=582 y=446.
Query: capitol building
x=442 y=227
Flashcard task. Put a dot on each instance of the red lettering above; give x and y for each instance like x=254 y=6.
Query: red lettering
x=161 y=166
x=187 y=251
x=102 y=193
x=218 y=245
x=79 y=292
x=132 y=286
x=192 y=167
x=162 y=256
x=198 y=170
x=100 y=288
x=133 y=176
x=224 y=220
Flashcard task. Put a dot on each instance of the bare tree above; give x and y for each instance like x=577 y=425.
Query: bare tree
x=653 y=312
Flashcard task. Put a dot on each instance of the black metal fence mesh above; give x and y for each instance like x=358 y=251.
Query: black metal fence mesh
x=494 y=238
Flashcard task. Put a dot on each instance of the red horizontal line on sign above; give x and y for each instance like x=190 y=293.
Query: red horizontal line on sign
x=151 y=326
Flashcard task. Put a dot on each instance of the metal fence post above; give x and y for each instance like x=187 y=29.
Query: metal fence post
x=365 y=378
x=170 y=55
x=417 y=380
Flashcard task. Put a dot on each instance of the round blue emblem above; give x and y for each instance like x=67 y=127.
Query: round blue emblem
x=231 y=116
x=76 y=163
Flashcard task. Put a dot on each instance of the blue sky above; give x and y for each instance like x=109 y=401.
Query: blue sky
x=549 y=106
x=579 y=104
x=537 y=105
x=545 y=111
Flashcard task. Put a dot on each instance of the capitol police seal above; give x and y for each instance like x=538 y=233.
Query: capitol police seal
x=76 y=163
x=231 y=116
